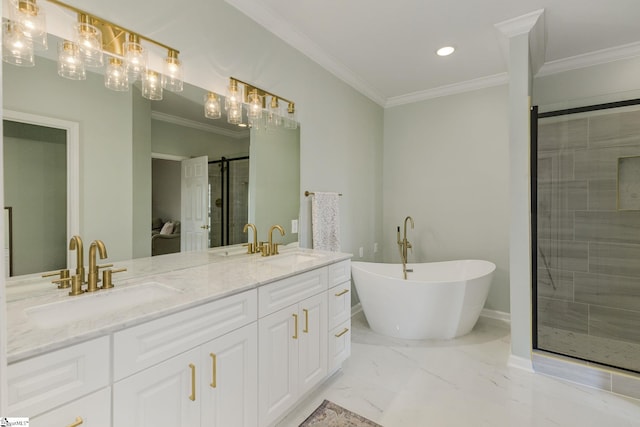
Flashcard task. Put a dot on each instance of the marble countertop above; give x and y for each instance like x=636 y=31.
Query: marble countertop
x=190 y=279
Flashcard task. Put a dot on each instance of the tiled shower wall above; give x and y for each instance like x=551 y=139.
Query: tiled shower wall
x=588 y=277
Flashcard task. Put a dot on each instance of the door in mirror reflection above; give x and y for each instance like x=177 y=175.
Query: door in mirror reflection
x=229 y=200
x=35 y=186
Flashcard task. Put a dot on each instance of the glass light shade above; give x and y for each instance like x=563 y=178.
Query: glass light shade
x=152 y=86
x=70 y=64
x=274 y=116
x=16 y=48
x=234 y=96
x=255 y=105
x=32 y=22
x=234 y=114
x=172 y=72
x=212 y=108
x=136 y=59
x=290 y=122
x=89 y=40
x=115 y=76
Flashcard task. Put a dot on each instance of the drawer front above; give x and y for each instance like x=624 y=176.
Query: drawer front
x=339 y=272
x=285 y=292
x=43 y=382
x=145 y=345
x=339 y=304
x=93 y=410
x=339 y=345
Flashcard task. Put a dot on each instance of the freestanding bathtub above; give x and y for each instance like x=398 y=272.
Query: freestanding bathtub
x=439 y=300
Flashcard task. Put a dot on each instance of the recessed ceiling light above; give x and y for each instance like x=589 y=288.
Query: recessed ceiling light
x=445 y=51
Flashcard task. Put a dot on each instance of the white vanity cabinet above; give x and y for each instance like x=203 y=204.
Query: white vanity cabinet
x=339 y=296
x=210 y=380
x=292 y=341
x=42 y=383
x=93 y=410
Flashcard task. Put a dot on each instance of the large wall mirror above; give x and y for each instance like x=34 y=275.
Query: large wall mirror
x=127 y=179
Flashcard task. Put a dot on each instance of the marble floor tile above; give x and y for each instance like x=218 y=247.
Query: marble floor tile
x=461 y=382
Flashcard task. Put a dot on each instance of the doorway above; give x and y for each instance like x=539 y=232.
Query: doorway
x=586 y=233
x=228 y=200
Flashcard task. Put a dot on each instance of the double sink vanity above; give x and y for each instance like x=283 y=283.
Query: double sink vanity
x=215 y=338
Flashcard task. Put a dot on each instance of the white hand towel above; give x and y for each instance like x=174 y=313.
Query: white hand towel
x=325 y=219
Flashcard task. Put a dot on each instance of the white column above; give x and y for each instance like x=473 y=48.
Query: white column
x=525 y=46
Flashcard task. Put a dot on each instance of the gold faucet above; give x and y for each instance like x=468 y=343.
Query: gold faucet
x=76 y=244
x=404 y=245
x=272 y=248
x=252 y=248
x=92 y=278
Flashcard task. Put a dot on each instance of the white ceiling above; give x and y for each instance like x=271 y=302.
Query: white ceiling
x=386 y=49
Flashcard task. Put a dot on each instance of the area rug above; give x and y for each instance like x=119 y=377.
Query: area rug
x=329 y=414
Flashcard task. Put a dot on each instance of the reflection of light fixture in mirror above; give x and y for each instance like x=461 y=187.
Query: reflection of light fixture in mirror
x=212 y=106
x=16 y=48
x=233 y=103
x=89 y=39
x=290 y=122
x=152 y=85
x=255 y=105
x=172 y=72
x=274 y=117
x=135 y=57
x=115 y=76
x=32 y=21
x=70 y=64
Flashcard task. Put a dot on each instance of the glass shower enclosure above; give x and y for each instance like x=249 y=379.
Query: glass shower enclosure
x=586 y=233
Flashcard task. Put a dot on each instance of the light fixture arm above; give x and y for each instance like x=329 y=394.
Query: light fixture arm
x=111 y=24
x=249 y=88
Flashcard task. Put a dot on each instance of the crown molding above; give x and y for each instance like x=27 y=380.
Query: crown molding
x=264 y=16
x=597 y=57
x=452 y=89
x=168 y=118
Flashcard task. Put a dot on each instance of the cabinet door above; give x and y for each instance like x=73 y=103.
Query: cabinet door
x=164 y=395
x=230 y=379
x=312 y=353
x=278 y=339
x=93 y=410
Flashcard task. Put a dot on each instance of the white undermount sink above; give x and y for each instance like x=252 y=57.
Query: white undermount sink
x=90 y=305
x=289 y=260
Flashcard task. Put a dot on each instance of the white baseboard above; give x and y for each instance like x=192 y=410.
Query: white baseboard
x=495 y=314
x=520 y=363
x=356 y=309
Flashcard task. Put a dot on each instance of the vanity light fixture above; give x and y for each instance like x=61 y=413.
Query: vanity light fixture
x=212 y=108
x=31 y=20
x=16 y=48
x=255 y=100
x=445 y=51
x=93 y=38
x=70 y=63
x=115 y=76
x=172 y=72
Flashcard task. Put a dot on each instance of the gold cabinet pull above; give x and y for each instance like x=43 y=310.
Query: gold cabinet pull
x=79 y=421
x=295 y=334
x=214 y=367
x=193 y=381
x=306 y=321
x=342 y=333
x=344 y=291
